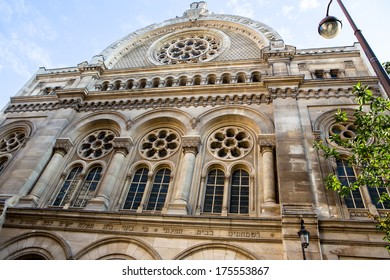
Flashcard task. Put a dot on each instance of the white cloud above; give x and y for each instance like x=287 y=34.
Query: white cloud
x=308 y=4
x=286 y=11
x=242 y=8
x=6 y=11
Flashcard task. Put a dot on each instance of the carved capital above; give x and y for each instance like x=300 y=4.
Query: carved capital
x=266 y=142
x=191 y=144
x=122 y=144
x=62 y=146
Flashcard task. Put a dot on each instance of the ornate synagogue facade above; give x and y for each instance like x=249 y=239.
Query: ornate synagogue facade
x=188 y=139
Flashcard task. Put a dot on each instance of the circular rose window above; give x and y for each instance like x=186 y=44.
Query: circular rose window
x=12 y=141
x=97 y=144
x=191 y=46
x=159 y=144
x=230 y=143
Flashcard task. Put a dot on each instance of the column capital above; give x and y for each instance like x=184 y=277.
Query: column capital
x=122 y=144
x=191 y=144
x=266 y=142
x=62 y=146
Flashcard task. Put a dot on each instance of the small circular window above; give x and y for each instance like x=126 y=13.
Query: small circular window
x=12 y=141
x=97 y=144
x=230 y=143
x=159 y=144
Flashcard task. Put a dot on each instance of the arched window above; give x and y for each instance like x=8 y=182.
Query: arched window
x=136 y=190
x=159 y=190
x=347 y=177
x=68 y=187
x=88 y=187
x=375 y=194
x=214 y=191
x=85 y=189
x=239 y=192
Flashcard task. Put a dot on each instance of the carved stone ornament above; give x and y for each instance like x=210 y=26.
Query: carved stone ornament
x=196 y=10
x=122 y=144
x=266 y=142
x=191 y=144
x=63 y=145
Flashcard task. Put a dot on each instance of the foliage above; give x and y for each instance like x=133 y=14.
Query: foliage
x=386 y=65
x=369 y=149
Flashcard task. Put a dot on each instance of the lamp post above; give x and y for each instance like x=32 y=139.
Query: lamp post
x=304 y=236
x=330 y=27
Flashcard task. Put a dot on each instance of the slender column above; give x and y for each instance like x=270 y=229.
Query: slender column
x=226 y=196
x=102 y=198
x=267 y=144
x=60 y=149
x=201 y=195
x=190 y=149
x=145 y=196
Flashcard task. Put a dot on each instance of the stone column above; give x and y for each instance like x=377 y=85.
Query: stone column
x=61 y=148
x=190 y=149
x=267 y=144
x=102 y=199
x=226 y=195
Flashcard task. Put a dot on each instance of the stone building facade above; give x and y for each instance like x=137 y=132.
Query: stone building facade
x=188 y=139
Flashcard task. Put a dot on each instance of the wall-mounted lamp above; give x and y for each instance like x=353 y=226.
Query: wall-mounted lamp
x=304 y=236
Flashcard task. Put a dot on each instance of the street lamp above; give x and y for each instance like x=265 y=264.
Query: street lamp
x=304 y=236
x=330 y=27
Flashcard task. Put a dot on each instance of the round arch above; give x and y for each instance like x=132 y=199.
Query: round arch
x=37 y=243
x=216 y=251
x=125 y=248
x=77 y=129
x=261 y=34
x=256 y=121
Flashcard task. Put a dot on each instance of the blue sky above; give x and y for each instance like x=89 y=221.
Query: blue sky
x=59 y=33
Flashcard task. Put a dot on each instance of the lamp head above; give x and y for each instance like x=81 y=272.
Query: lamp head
x=329 y=27
x=304 y=235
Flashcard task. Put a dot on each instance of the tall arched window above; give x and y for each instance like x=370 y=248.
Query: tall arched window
x=68 y=187
x=375 y=194
x=239 y=192
x=214 y=191
x=88 y=187
x=347 y=177
x=136 y=190
x=159 y=190
x=75 y=192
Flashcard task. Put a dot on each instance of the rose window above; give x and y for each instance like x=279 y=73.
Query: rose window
x=230 y=143
x=12 y=141
x=188 y=49
x=96 y=144
x=344 y=130
x=159 y=144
